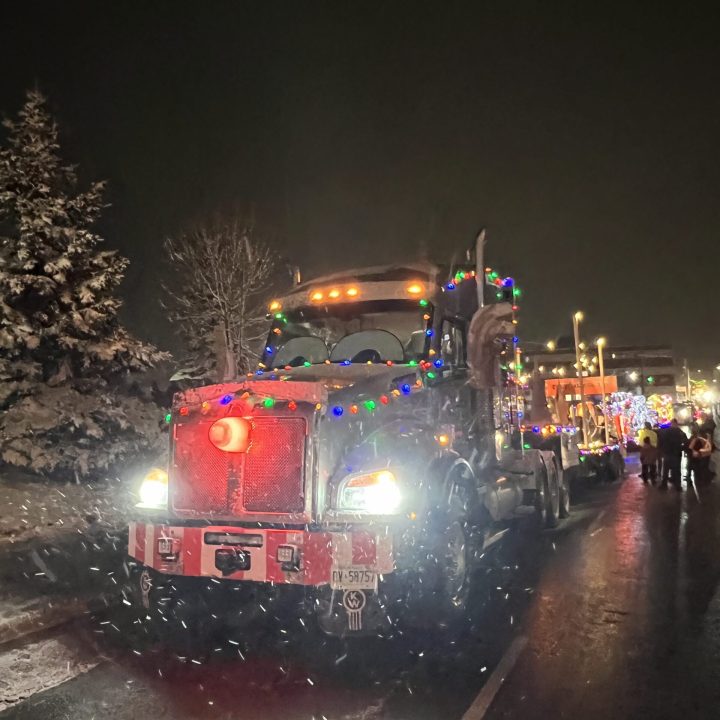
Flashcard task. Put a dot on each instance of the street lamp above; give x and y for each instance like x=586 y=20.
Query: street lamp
x=601 y=342
x=550 y=345
x=577 y=319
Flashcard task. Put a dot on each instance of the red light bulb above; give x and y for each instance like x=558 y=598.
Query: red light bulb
x=231 y=434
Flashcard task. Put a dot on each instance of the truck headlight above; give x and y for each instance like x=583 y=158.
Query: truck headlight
x=154 y=489
x=375 y=493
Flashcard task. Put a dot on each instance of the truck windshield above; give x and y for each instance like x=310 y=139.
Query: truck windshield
x=356 y=332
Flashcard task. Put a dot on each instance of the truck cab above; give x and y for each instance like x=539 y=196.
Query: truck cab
x=363 y=463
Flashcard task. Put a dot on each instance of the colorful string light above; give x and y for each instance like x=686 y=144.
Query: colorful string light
x=370 y=405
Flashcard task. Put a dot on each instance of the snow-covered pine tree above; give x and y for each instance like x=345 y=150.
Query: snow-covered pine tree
x=65 y=359
x=223 y=274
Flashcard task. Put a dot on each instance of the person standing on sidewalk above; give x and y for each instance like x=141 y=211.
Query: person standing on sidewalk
x=674 y=441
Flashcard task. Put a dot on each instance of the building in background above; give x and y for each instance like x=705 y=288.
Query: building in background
x=640 y=370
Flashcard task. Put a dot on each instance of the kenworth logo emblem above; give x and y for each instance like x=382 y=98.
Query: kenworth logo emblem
x=354 y=602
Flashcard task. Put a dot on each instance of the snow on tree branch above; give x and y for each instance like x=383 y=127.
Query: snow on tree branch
x=64 y=356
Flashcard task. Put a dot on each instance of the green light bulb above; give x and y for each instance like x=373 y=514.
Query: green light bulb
x=268 y=402
x=168 y=418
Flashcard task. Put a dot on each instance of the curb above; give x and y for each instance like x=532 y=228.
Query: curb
x=29 y=622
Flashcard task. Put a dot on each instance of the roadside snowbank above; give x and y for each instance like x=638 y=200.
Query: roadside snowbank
x=31 y=507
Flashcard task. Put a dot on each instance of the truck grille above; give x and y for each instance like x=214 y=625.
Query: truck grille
x=269 y=478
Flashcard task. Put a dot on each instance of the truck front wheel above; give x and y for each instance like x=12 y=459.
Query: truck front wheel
x=452 y=553
x=440 y=587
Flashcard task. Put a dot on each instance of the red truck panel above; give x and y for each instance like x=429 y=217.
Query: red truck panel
x=319 y=551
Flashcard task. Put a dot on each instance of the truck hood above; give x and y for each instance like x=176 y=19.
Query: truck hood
x=342 y=382
x=316 y=384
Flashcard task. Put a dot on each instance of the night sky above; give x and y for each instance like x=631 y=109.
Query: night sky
x=584 y=137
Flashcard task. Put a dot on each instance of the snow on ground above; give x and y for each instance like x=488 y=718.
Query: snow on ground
x=39 y=665
x=32 y=507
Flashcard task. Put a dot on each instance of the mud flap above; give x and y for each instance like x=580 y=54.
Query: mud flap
x=344 y=613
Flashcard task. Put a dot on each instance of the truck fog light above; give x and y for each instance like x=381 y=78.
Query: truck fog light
x=168 y=547
x=154 y=489
x=289 y=557
x=286 y=553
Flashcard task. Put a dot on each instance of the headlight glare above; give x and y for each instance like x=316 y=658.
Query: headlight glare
x=375 y=493
x=154 y=489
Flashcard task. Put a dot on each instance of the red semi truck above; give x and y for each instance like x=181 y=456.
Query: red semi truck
x=361 y=471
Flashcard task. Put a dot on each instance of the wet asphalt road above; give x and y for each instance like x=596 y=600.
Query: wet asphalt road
x=626 y=621
x=619 y=607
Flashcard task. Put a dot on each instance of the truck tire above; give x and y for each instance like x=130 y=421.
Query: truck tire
x=612 y=467
x=439 y=588
x=451 y=531
x=541 y=504
x=564 y=495
x=452 y=552
x=552 y=496
x=131 y=609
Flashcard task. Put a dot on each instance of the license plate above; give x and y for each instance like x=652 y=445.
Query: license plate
x=353 y=579
x=165 y=546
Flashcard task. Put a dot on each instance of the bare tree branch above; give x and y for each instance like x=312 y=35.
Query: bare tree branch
x=224 y=273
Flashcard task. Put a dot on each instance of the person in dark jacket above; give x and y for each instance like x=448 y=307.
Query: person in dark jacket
x=660 y=431
x=699 y=449
x=672 y=443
